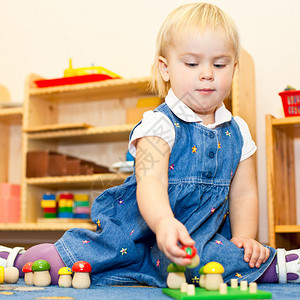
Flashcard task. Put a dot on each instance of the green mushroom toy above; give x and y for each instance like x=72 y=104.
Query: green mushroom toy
x=176 y=276
x=41 y=274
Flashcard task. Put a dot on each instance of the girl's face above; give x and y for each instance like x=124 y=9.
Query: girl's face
x=200 y=70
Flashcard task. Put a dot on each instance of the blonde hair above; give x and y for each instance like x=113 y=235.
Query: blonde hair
x=182 y=20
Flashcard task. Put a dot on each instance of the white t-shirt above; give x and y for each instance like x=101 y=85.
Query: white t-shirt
x=155 y=123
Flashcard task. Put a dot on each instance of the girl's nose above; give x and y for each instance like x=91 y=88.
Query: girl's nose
x=207 y=74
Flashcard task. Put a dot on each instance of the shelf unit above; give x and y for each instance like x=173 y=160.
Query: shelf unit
x=280 y=136
x=103 y=106
x=10 y=144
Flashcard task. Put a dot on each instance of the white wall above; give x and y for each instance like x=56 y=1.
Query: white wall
x=39 y=36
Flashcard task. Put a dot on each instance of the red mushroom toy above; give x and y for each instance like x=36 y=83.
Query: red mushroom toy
x=81 y=278
x=191 y=252
x=28 y=273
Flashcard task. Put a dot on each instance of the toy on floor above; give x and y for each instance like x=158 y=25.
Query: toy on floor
x=28 y=273
x=188 y=292
x=9 y=275
x=81 y=278
x=41 y=275
x=213 y=275
x=176 y=276
x=65 y=277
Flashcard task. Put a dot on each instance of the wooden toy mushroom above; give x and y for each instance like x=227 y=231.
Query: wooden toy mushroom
x=176 y=276
x=202 y=278
x=11 y=275
x=81 y=278
x=65 y=277
x=1 y=274
x=213 y=275
x=191 y=252
x=28 y=273
x=41 y=274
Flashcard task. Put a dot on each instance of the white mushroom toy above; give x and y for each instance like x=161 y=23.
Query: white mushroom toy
x=65 y=277
x=81 y=278
x=41 y=275
x=11 y=275
x=213 y=275
x=176 y=276
x=28 y=273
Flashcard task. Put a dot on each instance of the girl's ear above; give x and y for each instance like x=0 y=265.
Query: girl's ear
x=163 y=68
x=234 y=68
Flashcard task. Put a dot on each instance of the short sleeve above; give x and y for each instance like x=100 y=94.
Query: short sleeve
x=249 y=146
x=154 y=123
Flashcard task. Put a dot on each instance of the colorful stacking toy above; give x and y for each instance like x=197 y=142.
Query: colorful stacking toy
x=65 y=205
x=49 y=205
x=81 y=206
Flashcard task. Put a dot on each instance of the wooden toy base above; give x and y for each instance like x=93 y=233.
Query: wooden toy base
x=202 y=294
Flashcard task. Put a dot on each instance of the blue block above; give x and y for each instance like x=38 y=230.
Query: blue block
x=49 y=197
x=67 y=215
x=81 y=216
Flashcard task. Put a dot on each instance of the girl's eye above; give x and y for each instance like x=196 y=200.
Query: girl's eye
x=191 y=65
x=219 y=66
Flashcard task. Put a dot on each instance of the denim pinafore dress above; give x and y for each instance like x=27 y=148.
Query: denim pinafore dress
x=123 y=249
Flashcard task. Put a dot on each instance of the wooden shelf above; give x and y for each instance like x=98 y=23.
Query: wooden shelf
x=45 y=226
x=12 y=115
x=98 y=90
x=78 y=182
x=280 y=136
x=92 y=134
x=287 y=228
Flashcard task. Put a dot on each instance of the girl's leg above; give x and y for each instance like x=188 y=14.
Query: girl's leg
x=43 y=251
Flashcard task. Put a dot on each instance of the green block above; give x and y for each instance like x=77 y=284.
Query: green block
x=49 y=215
x=203 y=294
x=82 y=203
x=65 y=209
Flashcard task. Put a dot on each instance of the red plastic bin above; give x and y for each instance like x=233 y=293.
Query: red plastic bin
x=291 y=102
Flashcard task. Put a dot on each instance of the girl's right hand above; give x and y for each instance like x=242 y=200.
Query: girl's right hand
x=170 y=234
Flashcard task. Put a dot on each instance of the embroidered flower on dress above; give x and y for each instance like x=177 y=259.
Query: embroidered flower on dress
x=123 y=251
x=120 y=201
x=176 y=124
x=228 y=133
x=171 y=167
x=194 y=149
x=218 y=242
x=158 y=263
x=219 y=145
x=238 y=275
x=132 y=232
x=98 y=223
x=195 y=280
x=212 y=210
x=85 y=242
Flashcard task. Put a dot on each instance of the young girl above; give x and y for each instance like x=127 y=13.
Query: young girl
x=194 y=180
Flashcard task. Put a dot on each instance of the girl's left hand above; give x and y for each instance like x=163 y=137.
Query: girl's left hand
x=255 y=253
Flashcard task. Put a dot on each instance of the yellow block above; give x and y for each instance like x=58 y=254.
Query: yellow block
x=150 y=101
x=65 y=203
x=48 y=203
x=81 y=197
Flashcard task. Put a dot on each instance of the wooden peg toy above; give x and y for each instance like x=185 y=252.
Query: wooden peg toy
x=28 y=273
x=41 y=275
x=223 y=288
x=191 y=252
x=191 y=290
x=65 y=277
x=244 y=285
x=252 y=287
x=234 y=283
x=11 y=275
x=81 y=278
x=213 y=275
x=176 y=276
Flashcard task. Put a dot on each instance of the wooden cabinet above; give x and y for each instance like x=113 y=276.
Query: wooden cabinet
x=89 y=121
x=10 y=144
x=280 y=136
